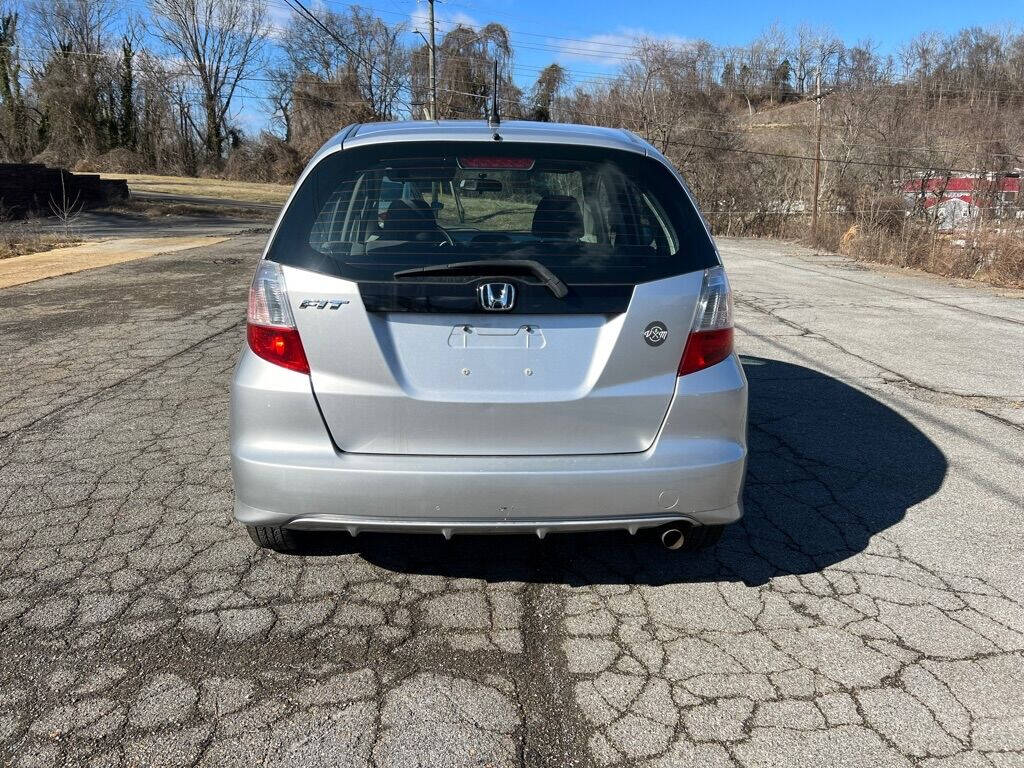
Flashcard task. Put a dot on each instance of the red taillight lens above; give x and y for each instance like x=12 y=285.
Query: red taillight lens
x=704 y=349
x=281 y=346
x=710 y=339
x=270 y=325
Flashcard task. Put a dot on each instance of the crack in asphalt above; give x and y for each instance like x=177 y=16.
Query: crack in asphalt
x=996 y=417
x=115 y=384
x=898 y=377
x=875 y=287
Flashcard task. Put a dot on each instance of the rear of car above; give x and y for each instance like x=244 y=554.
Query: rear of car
x=453 y=333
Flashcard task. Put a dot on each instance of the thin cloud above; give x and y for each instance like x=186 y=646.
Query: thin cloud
x=278 y=18
x=444 y=19
x=609 y=48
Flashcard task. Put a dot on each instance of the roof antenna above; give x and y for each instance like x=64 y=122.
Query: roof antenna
x=494 y=119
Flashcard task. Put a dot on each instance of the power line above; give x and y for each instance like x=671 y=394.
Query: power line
x=716 y=90
x=298 y=7
x=810 y=158
x=700 y=129
x=593 y=47
x=748 y=133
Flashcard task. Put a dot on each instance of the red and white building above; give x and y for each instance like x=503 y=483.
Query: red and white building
x=956 y=200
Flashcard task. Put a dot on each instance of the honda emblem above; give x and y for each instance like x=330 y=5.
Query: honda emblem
x=496 y=297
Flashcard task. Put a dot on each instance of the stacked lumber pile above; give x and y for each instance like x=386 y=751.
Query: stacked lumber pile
x=33 y=188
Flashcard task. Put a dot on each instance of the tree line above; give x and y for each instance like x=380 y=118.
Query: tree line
x=170 y=86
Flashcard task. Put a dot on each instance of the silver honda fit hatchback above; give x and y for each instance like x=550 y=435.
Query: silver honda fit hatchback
x=457 y=328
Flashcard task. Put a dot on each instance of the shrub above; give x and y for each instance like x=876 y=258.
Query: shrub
x=120 y=160
x=267 y=159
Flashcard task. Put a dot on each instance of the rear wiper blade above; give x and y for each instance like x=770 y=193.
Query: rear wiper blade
x=495 y=267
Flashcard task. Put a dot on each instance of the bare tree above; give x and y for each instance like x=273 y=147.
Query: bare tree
x=72 y=83
x=74 y=25
x=466 y=59
x=550 y=83
x=220 y=43
x=380 y=61
x=324 y=85
x=160 y=130
x=280 y=94
x=308 y=50
x=802 y=55
x=66 y=210
x=14 y=129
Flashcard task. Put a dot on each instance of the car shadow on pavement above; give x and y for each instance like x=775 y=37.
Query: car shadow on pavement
x=829 y=468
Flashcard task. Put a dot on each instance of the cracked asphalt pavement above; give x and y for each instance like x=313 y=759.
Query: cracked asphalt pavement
x=867 y=610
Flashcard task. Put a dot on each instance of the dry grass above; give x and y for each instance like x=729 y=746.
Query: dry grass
x=486 y=213
x=19 y=238
x=986 y=253
x=154 y=209
x=218 y=188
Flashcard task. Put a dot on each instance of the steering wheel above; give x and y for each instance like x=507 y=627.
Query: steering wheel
x=448 y=240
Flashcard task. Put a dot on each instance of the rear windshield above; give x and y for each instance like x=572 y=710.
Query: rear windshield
x=590 y=215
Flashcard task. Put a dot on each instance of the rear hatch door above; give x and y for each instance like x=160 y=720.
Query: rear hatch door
x=472 y=383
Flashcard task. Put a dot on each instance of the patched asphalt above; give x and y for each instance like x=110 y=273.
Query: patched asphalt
x=867 y=610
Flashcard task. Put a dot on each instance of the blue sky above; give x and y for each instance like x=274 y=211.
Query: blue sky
x=589 y=37
x=737 y=21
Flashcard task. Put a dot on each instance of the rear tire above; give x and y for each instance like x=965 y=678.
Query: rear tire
x=702 y=537
x=275 y=538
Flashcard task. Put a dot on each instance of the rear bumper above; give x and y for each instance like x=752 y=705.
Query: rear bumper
x=355 y=525
x=288 y=473
x=480 y=495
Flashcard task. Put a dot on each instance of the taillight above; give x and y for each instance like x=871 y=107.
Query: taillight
x=496 y=163
x=270 y=325
x=710 y=339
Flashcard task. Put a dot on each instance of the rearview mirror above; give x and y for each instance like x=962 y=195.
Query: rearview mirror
x=480 y=185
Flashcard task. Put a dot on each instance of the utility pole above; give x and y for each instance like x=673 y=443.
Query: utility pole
x=817 y=154
x=433 y=66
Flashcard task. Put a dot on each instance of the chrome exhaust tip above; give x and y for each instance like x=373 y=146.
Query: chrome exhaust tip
x=672 y=538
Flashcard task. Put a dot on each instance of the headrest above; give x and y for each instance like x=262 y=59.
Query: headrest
x=404 y=221
x=558 y=217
